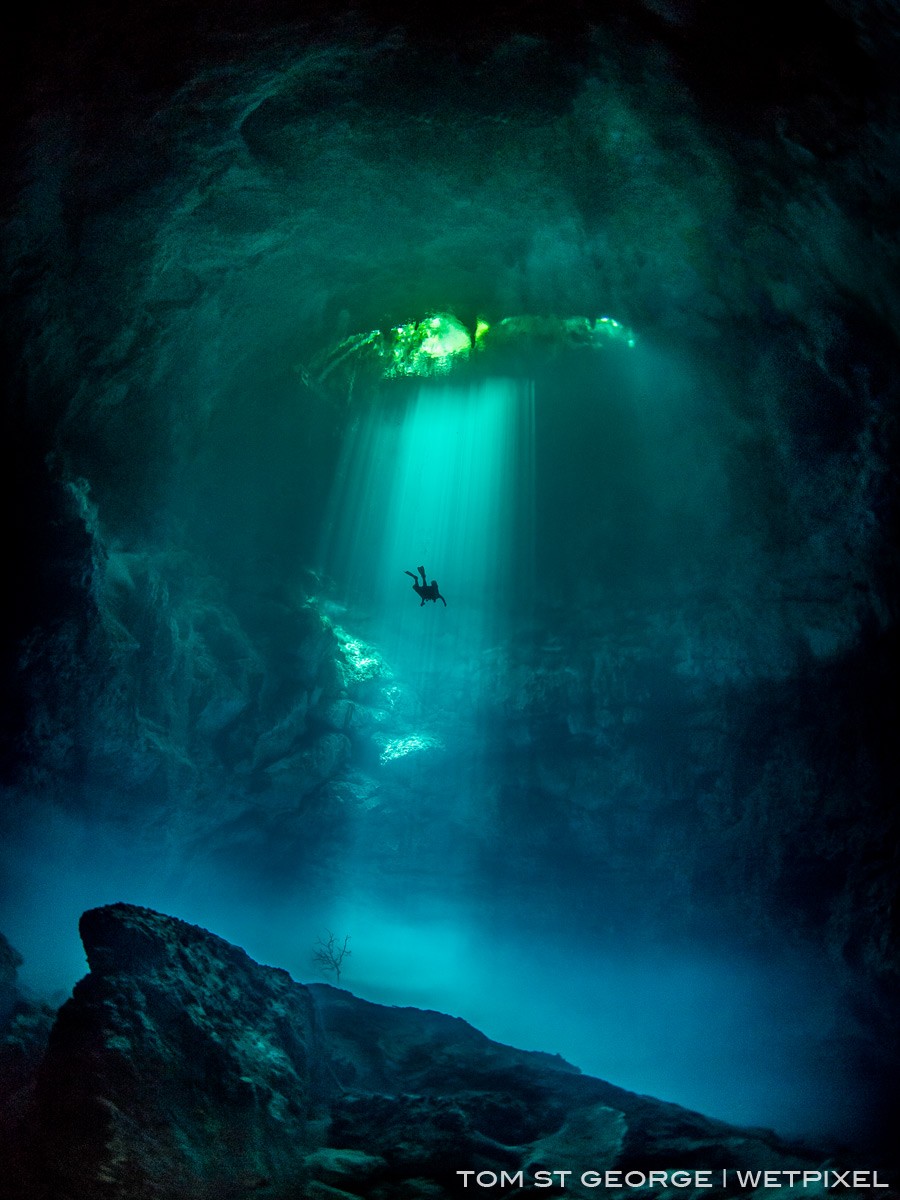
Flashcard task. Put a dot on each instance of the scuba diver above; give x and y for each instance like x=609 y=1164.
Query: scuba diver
x=427 y=591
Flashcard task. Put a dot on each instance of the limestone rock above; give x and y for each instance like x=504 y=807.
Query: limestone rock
x=178 y=1066
x=300 y=773
x=24 y=1029
x=593 y=1135
x=182 y=1069
x=277 y=741
x=10 y=961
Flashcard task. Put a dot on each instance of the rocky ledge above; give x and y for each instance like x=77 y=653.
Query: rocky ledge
x=180 y=1069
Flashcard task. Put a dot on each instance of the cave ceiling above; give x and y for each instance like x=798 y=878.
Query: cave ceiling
x=207 y=196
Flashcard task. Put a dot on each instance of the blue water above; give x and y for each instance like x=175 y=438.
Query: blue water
x=446 y=476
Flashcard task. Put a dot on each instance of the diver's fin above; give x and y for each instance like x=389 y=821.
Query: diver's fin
x=410 y=574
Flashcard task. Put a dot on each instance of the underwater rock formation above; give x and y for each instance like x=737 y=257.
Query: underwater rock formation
x=180 y=1069
x=10 y=961
x=24 y=1029
x=244 y=248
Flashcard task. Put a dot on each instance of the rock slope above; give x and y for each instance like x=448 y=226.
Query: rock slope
x=181 y=1069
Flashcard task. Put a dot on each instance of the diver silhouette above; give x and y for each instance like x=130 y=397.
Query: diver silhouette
x=427 y=591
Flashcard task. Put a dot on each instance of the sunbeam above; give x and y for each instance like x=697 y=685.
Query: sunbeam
x=445 y=482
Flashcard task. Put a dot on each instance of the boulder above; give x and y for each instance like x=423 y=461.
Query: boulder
x=178 y=1067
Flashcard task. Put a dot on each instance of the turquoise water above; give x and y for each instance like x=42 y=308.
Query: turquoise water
x=445 y=481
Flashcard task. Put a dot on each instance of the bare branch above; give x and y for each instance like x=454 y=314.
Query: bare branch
x=330 y=953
